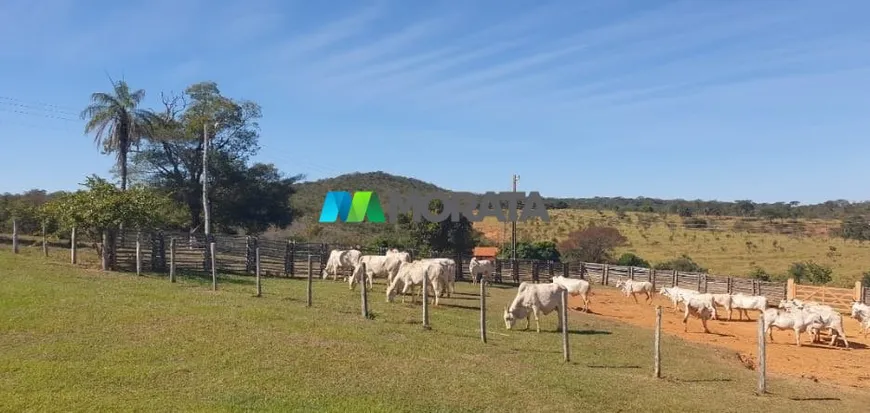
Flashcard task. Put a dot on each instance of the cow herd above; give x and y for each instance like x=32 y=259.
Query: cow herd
x=404 y=275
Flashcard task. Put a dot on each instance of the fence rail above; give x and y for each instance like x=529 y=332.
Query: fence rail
x=287 y=258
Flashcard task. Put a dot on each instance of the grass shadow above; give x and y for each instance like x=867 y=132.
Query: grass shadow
x=713 y=380
x=589 y=332
x=464 y=307
x=613 y=366
x=814 y=399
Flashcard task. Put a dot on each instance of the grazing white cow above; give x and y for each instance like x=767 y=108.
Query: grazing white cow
x=632 y=288
x=699 y=306
x=832 y=320
x=450 y=271
x=677 y=294
x=339 y=259
x=575 y=287
x=798 y=321
x=376 y=265
x=483 y=267
x=534 y=299
x=743 y=302
x=411 y=275
x=861 y=312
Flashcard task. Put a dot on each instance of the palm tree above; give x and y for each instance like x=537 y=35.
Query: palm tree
x=117 y=122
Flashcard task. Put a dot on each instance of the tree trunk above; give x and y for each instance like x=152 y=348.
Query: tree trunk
x=122 y=160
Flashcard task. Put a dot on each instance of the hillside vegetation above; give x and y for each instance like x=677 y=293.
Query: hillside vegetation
x=727 y=245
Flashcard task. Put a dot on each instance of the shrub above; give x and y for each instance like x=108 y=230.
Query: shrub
x=684 y=264
x=758 y=273
x=630 y=260
x=593 y=244
x=811 y=272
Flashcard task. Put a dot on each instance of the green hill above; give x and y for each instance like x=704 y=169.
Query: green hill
x=309 y=199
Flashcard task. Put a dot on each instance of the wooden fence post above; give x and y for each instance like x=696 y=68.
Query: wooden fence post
x=14 y=236
x=363 y=295
x=257 y=270
x=675 y=281
x=72 y=246
x=859 y=291
x=566 y=272
x=483 y=312
x=310 y=275
x=104 y=251
x=138 y=253
x=729 y=285
x=172 y=259
x=515 y=272
x=790 y=289
x=550 y=268
x=657 y=345
x=631 y=273
x=762 y=358
x=44 y=240
x=699 y=282
x=705 y=282
x=211 y=249
x=563 y=313
x=426 y=325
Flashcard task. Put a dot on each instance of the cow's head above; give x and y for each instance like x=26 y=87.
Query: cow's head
x=509 y=319
x=356 y=276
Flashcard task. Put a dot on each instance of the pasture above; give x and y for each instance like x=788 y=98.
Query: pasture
x=82 y=340
x=728 y=247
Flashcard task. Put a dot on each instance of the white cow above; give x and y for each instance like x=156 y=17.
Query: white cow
x=376 y=265
x=534 y=299
x=861 y=312
x=575 y=287
x=743 y=302
x=483 y=267
x=339 y=259
x=411 y=275
x=632 y=288
x=832 y=320
x=403 y=255
x=450 y=270
x=725 y=301
x=798 y=321
x=700 y=306
x=677 y=294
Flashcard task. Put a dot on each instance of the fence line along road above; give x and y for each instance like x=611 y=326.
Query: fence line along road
x=236 y=254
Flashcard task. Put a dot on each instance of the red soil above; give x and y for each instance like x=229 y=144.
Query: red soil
x=817 y=361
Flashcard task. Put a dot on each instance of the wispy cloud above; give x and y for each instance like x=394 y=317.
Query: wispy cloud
x=611 y=55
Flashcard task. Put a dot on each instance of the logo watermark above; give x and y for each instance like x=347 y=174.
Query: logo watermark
x=367 y=205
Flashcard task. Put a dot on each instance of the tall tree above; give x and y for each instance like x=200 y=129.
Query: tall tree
x=171 y=159
x=117 y=122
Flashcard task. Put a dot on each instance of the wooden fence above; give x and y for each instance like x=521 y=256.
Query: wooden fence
x=839 y=299
x=286 y=258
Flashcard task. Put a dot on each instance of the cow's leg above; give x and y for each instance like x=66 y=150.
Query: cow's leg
x=797 y=337
x=704 y=322
x=537 y=320
x=633 y=295
x=649 y=297
x=686 y=322
x=586 y=303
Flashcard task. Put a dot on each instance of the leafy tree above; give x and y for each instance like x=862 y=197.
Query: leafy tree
x=811 y=272
x=102 y=207
x=865 y=279
x=445 y=237
x=117 y=122
x=855 y=227
x=759 y=273
x=593 y=244
x=684 y=264
x=540 y=250
x=631 y=260
x=172 y=161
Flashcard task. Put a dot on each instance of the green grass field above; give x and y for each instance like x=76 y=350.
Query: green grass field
x=83 y=340
x=731 y=247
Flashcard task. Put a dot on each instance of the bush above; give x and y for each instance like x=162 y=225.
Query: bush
x=630 y=260
x=759 y=274
x=811 y=272
x=683 y=264
x=865 y=279
x=593 y=244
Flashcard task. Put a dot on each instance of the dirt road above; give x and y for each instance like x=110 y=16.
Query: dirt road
x=812 y=361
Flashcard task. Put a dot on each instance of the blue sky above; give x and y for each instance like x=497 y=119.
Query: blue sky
x=766 y=100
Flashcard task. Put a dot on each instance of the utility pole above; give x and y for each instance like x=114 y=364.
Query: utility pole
x=205 y=210
x=514 y=224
